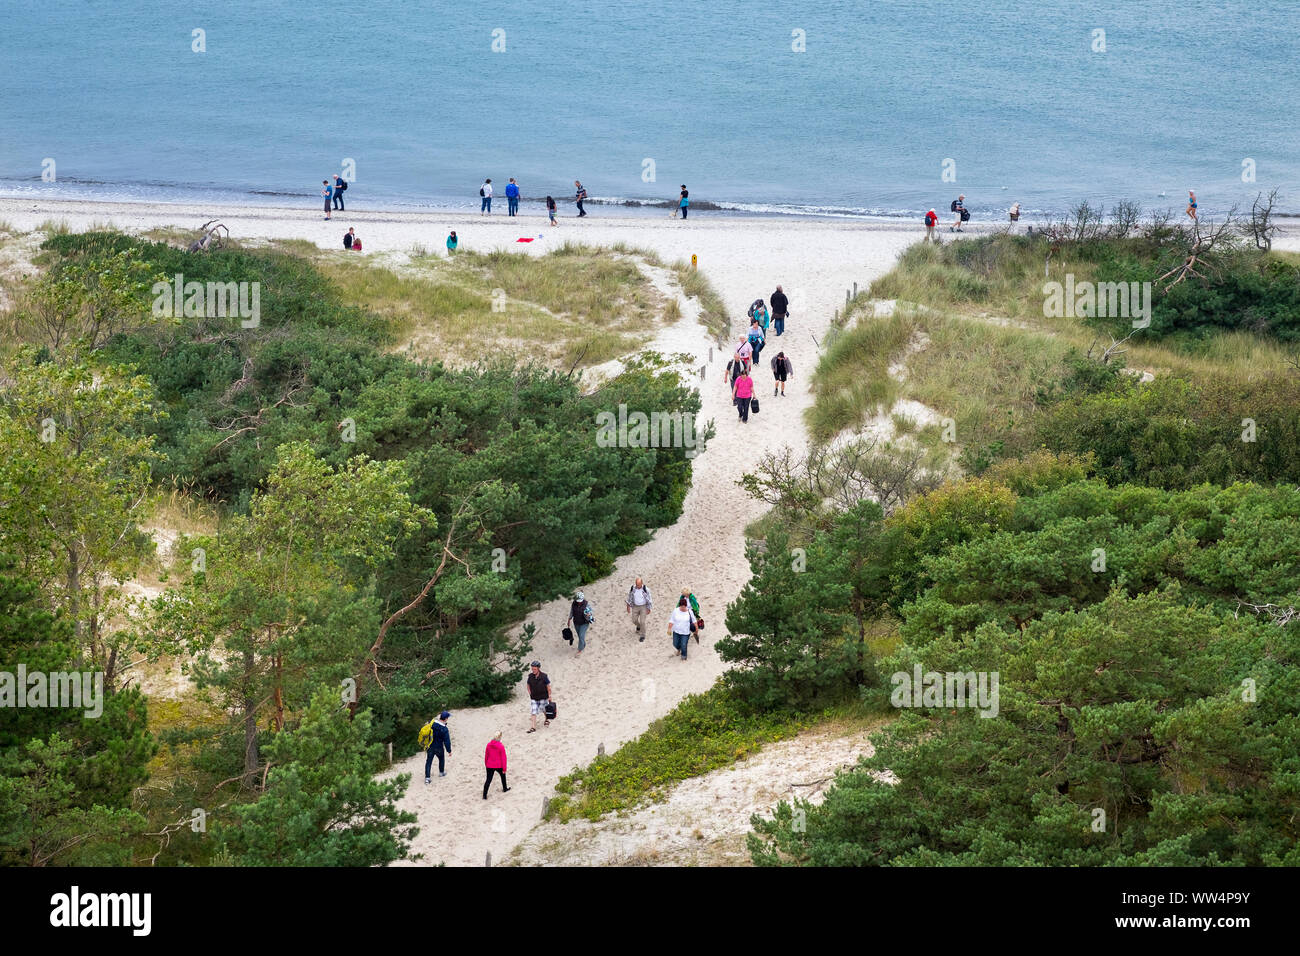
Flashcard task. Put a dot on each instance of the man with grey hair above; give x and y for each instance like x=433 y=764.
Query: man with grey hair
x=638 y=605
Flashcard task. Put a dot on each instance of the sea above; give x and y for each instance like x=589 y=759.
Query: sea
x=878 y=109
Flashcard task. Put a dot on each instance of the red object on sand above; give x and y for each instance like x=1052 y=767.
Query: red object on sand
x=524 y=239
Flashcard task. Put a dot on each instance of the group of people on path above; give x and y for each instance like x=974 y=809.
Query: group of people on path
x=748 y=352
x=684 y=621
x=435 y=738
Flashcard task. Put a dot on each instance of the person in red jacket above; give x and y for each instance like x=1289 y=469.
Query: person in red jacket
x=495 y=761
x=930 y=219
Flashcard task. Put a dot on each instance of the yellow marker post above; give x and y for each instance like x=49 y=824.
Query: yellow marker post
x=694 y=260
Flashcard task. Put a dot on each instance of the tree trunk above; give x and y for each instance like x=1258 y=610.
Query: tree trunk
x=250 y=724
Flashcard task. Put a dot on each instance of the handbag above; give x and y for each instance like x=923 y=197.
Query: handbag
x=550 y=710
x=567 y=634
x=753 y=405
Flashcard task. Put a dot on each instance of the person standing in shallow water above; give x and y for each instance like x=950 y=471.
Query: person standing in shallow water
x=1191 y=204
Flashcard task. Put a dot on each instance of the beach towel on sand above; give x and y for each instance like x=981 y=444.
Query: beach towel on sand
x=524 y=239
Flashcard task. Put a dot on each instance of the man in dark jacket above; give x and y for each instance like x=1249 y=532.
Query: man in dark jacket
x=780 y=309
x=781 y=370
x=441 y=746
x=539 y=694
x=339 y=187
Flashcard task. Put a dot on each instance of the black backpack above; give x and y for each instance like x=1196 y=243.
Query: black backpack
x=481 y=192
x=343 y=185
x=965 y=215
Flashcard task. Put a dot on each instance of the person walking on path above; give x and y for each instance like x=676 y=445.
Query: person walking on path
x=327 y=191
x=959 y=207
x=539 y=695
x=580 y=196
x=439 y=746
x=743 y=390
x=681 y=627
x=780 y=309
x=1191 y=204
x=339 y=186
x=684 y=203
x=512 y=197
x=931 y=218
x=452 y=242
x=494 y=759
x=639 y=604
x=781 y=370
x=580 y=616
x=485 y=198
x=756 y=339
x=745 y=352
x=550 y=209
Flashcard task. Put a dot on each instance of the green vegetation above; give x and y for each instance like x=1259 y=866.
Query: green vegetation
x=355 y=532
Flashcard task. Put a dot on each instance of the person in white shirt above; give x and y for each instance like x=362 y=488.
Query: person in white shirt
x=638 y=605
x=485 y=192
x=682 y=626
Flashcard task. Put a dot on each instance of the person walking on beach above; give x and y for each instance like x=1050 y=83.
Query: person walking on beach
x=550 y=209
x=452 y=242
x=781 y=370
x=494 y=759
x=485 y=198
x=931 y=218
x=959 y=207
x=743 y=390
x=539 y=695
x=340 y=184
x=681 y=626
x=780 y=309
x=348 y=237
x=756 y=338
x=1191 y=204
x=684 y=203
x=439 y=745
x=581 y=616
x=512 y=197
x=580 y=196
x=639 y=604
x=1014 y=213
x=328 y=192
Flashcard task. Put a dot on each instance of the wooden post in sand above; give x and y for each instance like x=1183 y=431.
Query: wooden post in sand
x=390 y=751
x=546 y=806
x=600 y=751
x=846 y=297
x=855 y=290
x=487 y=861
x=694 y=261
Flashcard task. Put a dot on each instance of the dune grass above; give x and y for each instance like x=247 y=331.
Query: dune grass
x=852 y=382
x=713 y=313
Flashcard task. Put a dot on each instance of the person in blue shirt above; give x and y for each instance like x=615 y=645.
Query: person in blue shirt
x=441 y=747
x=512 y=198
x=327 y=191
x=452 y=242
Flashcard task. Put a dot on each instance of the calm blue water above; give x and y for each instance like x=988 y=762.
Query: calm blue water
x=858 y=124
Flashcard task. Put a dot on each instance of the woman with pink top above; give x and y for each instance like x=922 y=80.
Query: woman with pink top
x=495 y=761
x=743 y=390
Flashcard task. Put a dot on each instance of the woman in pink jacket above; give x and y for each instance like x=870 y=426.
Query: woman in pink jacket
x=743 y=391
x=495 y=761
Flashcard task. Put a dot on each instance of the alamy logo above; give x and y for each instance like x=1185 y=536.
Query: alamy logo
x=1083 y=300
x=69 y=689
x=103 y=909
x=208 y=300
x=639 y=430
x=976 y=689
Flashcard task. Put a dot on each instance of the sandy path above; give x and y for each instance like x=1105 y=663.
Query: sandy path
x=619 y=686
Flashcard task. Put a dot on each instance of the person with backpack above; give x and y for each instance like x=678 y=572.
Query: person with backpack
x=539 y=695
x=438 y=739
x=931 y=218
x=494 y=759
x=485 y=198
x=681 y=626
x=757 y=339
x=340 y=184
x=581 y=616
x=958 y=206
x=781 y=370
x=579 y=196
x=512 y=198
x=780 y=310
x=639 y=604
x=743 y=390
x=550 y=209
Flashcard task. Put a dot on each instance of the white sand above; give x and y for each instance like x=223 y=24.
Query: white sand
x=614 y=691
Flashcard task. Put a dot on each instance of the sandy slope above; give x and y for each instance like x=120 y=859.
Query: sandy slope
x=613 y=692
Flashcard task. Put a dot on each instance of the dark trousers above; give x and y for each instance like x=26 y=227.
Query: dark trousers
x=758 y=350
x=338 y=199
x=512 y=205
x=743 y=405
x=779 y=322
x=685 y=210
x=488 y=782
x=428 y=761
x=581 y=211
